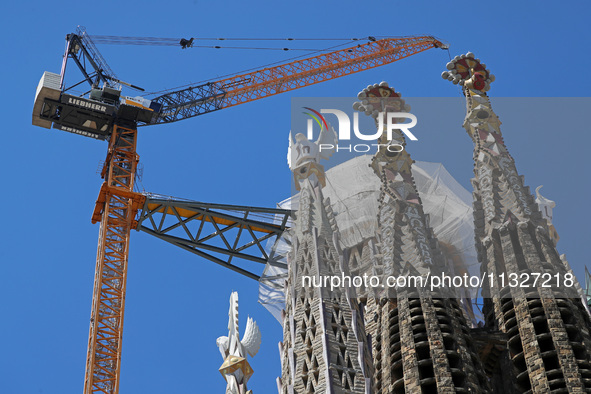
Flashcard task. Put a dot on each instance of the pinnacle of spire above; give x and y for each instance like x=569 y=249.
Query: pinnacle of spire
x=469 y=73
x=303 y=157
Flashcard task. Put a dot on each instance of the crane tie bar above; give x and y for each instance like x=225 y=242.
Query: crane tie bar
x=189 y=43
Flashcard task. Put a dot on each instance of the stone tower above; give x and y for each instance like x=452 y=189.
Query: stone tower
x=324 y=348
x=421 y=342
x=547 y=327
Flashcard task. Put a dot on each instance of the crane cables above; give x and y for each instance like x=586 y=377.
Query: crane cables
x=192 y=42
x=164 y=91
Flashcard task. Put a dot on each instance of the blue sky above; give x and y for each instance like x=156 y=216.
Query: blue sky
x=176 y=303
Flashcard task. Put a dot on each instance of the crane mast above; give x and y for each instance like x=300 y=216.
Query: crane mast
x=108 y=115
x=119 y=206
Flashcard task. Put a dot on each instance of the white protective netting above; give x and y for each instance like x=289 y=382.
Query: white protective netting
x=353 y=189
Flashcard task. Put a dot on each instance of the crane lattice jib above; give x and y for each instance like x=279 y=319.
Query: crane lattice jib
x=239 y=89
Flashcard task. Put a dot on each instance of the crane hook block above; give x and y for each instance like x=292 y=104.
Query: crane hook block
x=186 y=43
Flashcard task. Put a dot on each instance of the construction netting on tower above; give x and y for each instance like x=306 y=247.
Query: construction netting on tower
x=353 y=190
x=587 y=287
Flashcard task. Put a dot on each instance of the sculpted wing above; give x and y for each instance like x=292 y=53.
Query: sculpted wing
x=222 y=343
x=252 y=338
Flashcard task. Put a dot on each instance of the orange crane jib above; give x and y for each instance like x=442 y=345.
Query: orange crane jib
x=243 y=88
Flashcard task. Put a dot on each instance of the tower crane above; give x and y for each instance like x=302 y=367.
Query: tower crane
x=104 y=113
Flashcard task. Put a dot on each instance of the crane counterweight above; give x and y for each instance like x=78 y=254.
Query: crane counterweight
x=90 y=117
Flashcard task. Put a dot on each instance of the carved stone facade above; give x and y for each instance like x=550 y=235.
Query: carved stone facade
x=324 y=347
x=410 y=339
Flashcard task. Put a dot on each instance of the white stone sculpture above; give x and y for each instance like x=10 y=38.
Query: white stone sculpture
x=236 y=369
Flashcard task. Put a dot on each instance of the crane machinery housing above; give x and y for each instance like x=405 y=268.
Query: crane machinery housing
x=104 y=113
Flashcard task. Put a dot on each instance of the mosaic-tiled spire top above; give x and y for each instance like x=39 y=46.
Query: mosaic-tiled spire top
x=469 y=72
x=391 y=163
x=481 y=122
x=501 y=188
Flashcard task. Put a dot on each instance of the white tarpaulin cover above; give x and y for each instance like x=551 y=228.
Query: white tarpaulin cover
x=353 y=189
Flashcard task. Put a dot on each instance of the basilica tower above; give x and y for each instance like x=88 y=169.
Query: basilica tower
x=531 y=293
x=421 y=341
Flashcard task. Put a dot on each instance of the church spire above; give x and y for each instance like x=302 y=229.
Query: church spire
x=547 y=327
x=420 y=339
x=324 y=348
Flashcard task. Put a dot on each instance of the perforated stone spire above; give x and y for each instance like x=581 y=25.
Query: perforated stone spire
x=324 y=348
x=547 y=328
x=420 y=340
